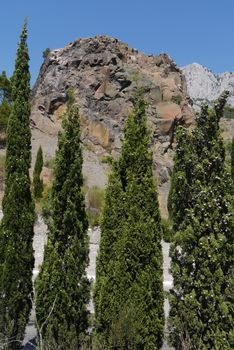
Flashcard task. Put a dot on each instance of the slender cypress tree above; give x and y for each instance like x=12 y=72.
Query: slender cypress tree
x=201 y=315
x=62 y=288
x=111 y=230
x=37 y=181
x=132 y=309
x=179 y=199
x=16 y=262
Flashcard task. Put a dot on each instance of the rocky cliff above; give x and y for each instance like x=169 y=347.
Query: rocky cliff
x=105 y=73
x=205 y=86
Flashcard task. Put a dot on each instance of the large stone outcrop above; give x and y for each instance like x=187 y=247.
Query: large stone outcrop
x=205 y=86
x=105 y=73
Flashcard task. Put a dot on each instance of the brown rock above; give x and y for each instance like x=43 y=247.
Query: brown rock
x=105 y=75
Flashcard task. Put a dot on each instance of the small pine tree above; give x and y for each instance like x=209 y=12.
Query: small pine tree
x=201 y=315
x=16 y=234
x=62 y=288
x=129 y=299
x=37 y=181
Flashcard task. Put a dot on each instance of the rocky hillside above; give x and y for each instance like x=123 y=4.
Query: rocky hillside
x=105 y=73
x=205 y=86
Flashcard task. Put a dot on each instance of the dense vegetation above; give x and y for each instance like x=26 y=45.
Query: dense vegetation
x=181 y=181
x=128 y=294
x=201 y=315
x=62 y=288
x=228 y=112
x=129 y=291
x=16 y=231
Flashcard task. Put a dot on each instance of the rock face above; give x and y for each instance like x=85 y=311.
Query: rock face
x=105 y=73
x=204 y=86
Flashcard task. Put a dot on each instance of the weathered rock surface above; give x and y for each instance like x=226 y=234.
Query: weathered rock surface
x=205 y=86
x=105 y=73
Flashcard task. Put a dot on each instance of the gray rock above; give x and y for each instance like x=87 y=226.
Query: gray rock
x=105 y=74
x=205 y=86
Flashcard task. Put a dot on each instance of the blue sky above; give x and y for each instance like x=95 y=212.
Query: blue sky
x=188 y=30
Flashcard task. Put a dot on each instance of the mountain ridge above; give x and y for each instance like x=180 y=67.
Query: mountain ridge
x=205 y=86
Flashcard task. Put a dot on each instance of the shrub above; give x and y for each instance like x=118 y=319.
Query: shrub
x=95 y=198
x=167 y=230
x=228 y=112
x=176 y=99
x=46 y=52
x=49 y=163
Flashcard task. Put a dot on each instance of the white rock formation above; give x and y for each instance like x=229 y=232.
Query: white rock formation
x=205 y=86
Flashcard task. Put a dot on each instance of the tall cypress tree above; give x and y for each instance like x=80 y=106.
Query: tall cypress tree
x=201 y=315
x=132 y=309
x=181 y=181
x=37 y=181
x=16 y=261
x=111 y=230
x=62 y=288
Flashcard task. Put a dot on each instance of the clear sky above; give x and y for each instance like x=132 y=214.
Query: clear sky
x=188 y=30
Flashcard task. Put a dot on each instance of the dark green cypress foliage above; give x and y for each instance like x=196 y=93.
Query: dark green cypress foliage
x=62 y=288
x=16 y=262
x=111 y=229
x=132 y=307
x=5 y=110
x=37 y=181
x=180 y=190
x=201 y=315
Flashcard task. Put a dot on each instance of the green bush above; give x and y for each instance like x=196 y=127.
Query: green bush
x=46 y=52
x=228 y=112
x=167 y=230
x=95 y=198
x=44 y=203
x=49 y=163
x=107 y=160
x=93 y=217
x=176 y=99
